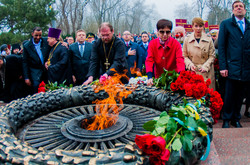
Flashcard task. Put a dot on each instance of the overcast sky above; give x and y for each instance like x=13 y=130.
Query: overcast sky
x=166 y=8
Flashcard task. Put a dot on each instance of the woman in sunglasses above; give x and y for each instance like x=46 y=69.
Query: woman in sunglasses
x=199 y=52
x=163 y=52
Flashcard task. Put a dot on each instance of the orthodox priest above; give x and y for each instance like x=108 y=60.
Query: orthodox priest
x=58 y=64
x=108 y=53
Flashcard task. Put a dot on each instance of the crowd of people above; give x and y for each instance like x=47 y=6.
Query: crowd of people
x=81 y=60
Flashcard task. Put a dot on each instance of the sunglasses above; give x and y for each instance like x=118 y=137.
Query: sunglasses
x=163 y=32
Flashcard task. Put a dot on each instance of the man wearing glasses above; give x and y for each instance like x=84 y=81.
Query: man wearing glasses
x=163 y=52
x=108 y=53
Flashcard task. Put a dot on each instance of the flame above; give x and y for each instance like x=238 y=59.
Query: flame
x=107 y=110
x=135 y=70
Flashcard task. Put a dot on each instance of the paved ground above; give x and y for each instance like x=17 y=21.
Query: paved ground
x=230 y=146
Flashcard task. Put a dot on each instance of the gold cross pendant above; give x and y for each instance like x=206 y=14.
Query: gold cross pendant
x=107 y=64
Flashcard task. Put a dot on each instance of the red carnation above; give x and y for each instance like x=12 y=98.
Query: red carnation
x=42 y=84
x=41 y=89
x=208 y=82
x=188 y=90
x=174 y=87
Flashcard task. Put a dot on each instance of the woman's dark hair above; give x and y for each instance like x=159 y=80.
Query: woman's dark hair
x=162 y=23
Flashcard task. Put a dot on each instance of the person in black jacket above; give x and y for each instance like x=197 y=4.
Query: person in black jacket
x=234 y=61
x=58 y=64
x=108 y=53
x=80 y=53
x=12 y=84
x=35 y=54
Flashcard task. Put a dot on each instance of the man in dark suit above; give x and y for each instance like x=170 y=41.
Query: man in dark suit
x=58 y=64
x=144 y=46
x=80 y=53
x=234 y=61
x=35 y=53
x=133 y=53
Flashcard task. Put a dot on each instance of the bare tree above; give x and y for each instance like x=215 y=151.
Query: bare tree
x=102 y=8
x=185 y=11
x=70 y=14
x=122 y=14
x=201 y=4
x=218 y=10
x=215 y=8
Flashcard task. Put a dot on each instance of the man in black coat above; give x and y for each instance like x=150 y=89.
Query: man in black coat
x=35 y=54
x=234 y=61
x=12 y=84
x=58 y=64
x=80 y=53
x=108 y=53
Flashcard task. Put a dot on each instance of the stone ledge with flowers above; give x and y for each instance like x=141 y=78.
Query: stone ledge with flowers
x=182 y=134
x=178 y=136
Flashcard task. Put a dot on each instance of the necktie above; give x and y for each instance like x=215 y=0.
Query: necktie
x=127 y=43
x=81 y=49
x=241 y=26
x=145 y=46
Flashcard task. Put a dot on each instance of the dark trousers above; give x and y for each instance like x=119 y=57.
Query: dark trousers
x=234 y=95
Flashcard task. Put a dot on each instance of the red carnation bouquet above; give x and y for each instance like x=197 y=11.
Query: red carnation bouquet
x=41 y=87
x=52 y=86
x=195 y=86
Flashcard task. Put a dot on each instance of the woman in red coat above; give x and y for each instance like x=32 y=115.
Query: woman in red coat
x=163 y=52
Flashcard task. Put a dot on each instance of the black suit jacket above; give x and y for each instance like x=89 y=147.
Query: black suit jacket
x=80 y=65
x=60 y=68
x=33 y=68
x=14 y=84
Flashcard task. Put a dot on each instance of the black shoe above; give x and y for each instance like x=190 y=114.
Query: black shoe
x=225 y=124
x=247 y=114
x=236 y=124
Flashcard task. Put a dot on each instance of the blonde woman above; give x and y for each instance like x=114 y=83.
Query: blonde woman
x=199 y=52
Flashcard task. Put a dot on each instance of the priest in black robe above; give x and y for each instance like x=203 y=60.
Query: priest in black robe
x=58 y=64
x=108 y=53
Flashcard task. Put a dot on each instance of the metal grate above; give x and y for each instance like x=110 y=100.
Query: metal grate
x=47 y=131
